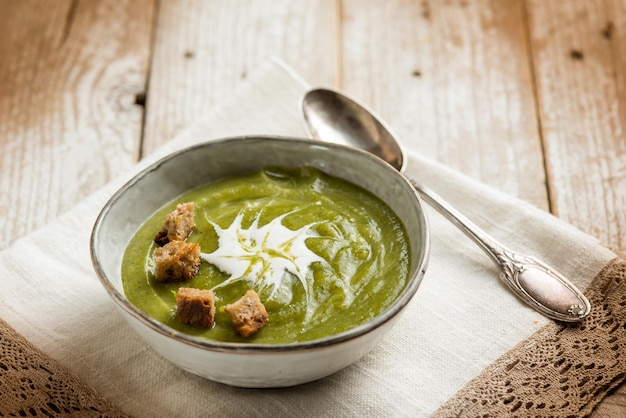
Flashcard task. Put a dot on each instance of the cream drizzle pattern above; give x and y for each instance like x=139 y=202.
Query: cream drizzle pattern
x=269 y=256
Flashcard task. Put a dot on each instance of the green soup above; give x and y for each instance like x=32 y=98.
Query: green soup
x=323 y=254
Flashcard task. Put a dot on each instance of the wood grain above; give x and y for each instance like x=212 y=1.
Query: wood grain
x=68 y=119
x=453 y=80
x=204 y=50
x=579 y=55
x=613 y=406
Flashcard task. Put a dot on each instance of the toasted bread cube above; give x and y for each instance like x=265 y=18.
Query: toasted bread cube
x=248 y=314
x=178 y=224
x=176 y=261
x=195 y=307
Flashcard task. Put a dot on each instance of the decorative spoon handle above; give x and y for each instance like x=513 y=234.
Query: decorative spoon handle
x=541 y=287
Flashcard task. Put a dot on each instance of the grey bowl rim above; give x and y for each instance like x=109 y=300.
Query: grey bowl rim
x=392 y=311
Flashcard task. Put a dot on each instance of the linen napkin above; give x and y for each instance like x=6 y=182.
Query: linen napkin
x=460 y=323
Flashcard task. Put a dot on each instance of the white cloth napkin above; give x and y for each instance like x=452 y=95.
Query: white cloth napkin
x=461 y=319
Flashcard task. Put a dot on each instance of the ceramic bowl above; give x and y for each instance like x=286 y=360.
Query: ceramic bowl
x=240 y=364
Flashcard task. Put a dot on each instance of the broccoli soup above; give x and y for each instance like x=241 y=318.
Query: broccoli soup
x=283 y=255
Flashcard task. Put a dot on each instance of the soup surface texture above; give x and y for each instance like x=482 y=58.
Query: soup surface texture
x=323 y=254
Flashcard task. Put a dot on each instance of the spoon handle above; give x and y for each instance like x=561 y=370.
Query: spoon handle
x=540 y=286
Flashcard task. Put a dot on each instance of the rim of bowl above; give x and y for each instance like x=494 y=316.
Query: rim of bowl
x=223 y=346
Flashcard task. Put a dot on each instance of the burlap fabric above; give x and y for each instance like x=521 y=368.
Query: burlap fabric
x=459 y=324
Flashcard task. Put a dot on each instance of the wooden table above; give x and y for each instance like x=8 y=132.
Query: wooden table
x=527 y=96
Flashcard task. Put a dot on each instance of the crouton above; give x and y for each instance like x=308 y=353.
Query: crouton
x=178 y=224
x=195 y=307
x=248 y=314
x=176 y=261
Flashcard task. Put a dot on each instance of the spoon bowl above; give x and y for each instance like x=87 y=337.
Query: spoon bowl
x=332 y=116
x=338 y=118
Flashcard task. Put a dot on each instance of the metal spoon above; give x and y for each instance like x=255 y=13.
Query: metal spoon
x=332 y=116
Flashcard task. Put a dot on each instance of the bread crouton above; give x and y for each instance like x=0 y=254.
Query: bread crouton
x=248 y=314
x=176 y=261
x=178 y=224
x=195 y=307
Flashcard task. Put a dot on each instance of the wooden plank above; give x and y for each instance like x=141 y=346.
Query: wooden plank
x=579 y=53
x=205 y=49
x=68 y=120
x=453 y=80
